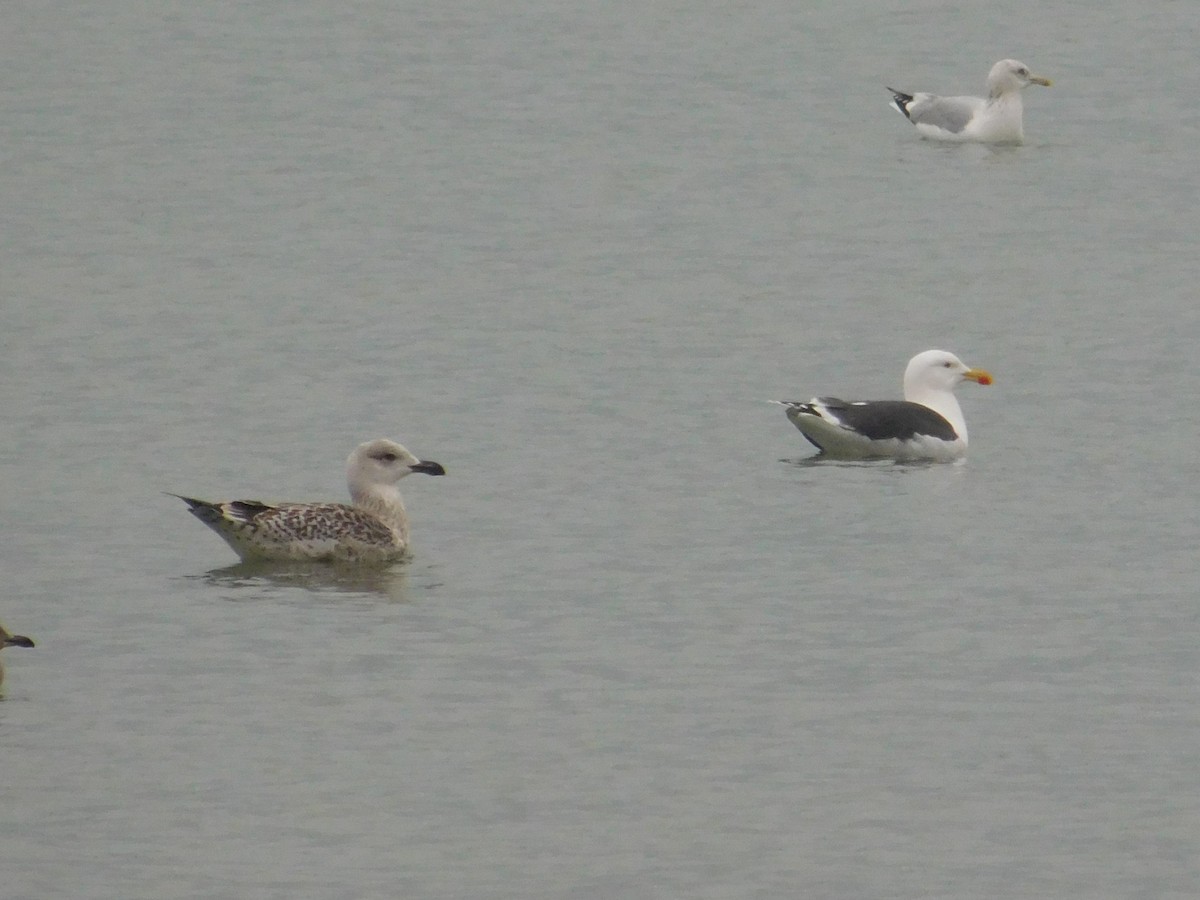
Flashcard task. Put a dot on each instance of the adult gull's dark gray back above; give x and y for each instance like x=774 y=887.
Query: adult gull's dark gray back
x=996 y=119
x=927 y=424
x=374 y=529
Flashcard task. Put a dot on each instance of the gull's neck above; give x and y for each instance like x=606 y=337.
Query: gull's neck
x=945 y=404
x=384 y=501
x=1008 y=99
x=1006 y=117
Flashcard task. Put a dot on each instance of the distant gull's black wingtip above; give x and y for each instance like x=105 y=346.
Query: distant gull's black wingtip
x=900 y=101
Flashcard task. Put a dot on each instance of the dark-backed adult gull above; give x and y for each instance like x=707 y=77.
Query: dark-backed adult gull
x=11 y=640
x=372 y=530
x=995 y=120
x=927 y=424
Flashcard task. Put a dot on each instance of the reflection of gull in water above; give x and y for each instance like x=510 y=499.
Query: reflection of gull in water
x=996 y=120
x=11 y=640
x=278 y=581
x=372 y=530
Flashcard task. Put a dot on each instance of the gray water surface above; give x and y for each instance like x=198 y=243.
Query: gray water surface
x=643 y=648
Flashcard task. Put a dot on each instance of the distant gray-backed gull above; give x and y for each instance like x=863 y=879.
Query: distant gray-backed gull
x=373 y=530
x=926 y=424
x=11 y=640
x=996 y=120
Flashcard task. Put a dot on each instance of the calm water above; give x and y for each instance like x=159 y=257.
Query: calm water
x=643 y=649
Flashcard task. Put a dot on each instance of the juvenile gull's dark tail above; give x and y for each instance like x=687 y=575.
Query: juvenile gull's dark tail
x=206 y=511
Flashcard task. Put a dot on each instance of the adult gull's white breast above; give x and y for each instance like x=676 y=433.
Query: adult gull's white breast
x=996 y=119
x=374 y=529
x=927 y=424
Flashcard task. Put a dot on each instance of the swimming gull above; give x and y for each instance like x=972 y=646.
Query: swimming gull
x=995 y=120
x=372 y=530
x=926 y=424
x=11 y=640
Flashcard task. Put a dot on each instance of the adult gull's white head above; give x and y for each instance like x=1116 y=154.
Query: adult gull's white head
x=1011 y=75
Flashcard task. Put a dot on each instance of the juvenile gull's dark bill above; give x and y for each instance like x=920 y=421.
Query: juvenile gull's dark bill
x=927 y=424
x=996 y=119
x=374 y=529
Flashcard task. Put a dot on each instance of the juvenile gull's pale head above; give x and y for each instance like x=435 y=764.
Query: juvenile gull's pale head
x=382 y=462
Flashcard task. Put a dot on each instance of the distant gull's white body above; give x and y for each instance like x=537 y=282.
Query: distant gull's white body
x=996 y=119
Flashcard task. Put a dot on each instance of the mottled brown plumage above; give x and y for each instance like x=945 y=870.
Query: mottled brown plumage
x=372 y=530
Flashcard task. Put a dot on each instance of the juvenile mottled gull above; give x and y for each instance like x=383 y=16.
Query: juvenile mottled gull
x=926 y=424
x=372 y=530
x=995 y=120
x=11 y=640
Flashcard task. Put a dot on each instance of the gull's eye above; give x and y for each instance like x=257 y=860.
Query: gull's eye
x=1022 y=71
x=947 y=365
x=387 y=457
